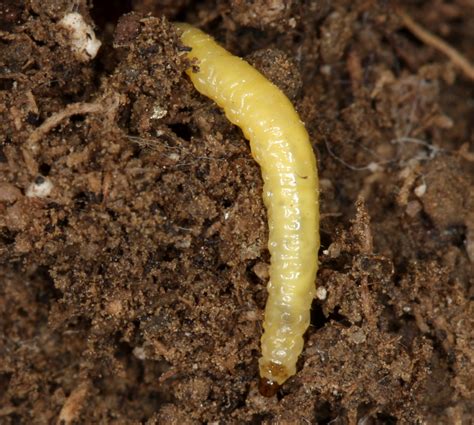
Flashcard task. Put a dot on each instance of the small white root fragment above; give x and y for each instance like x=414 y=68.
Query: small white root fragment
x=321 y=293
x=420 y=190
x=83 y=40
x=73 y=405
x=40 y=188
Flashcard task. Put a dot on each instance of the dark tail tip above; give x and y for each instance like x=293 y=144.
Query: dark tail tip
x=267 y=388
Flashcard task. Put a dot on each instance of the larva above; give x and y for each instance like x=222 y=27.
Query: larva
x=280 y=144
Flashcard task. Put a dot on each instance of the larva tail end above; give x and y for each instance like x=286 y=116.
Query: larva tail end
x=268 y=388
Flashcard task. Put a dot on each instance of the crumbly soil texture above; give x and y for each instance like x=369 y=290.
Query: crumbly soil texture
x=133 y=237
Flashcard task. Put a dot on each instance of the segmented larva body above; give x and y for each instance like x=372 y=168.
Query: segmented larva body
x=280 y=144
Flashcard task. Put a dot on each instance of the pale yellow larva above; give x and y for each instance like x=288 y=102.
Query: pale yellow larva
x=280 y=145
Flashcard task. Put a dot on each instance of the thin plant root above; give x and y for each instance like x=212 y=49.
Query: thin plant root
x=434 y=41
x=105 y=105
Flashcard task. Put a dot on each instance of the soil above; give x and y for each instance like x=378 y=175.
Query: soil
x=133 y=256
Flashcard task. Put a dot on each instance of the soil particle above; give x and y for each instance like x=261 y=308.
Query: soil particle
x=449 y=200
x=264 y=13
x=285 y=75
x=10 y=14
x=9 y=193
x=132 y=289
x=168 y=8
x=336 y=31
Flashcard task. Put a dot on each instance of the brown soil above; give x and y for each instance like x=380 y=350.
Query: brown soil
x=133 y=291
